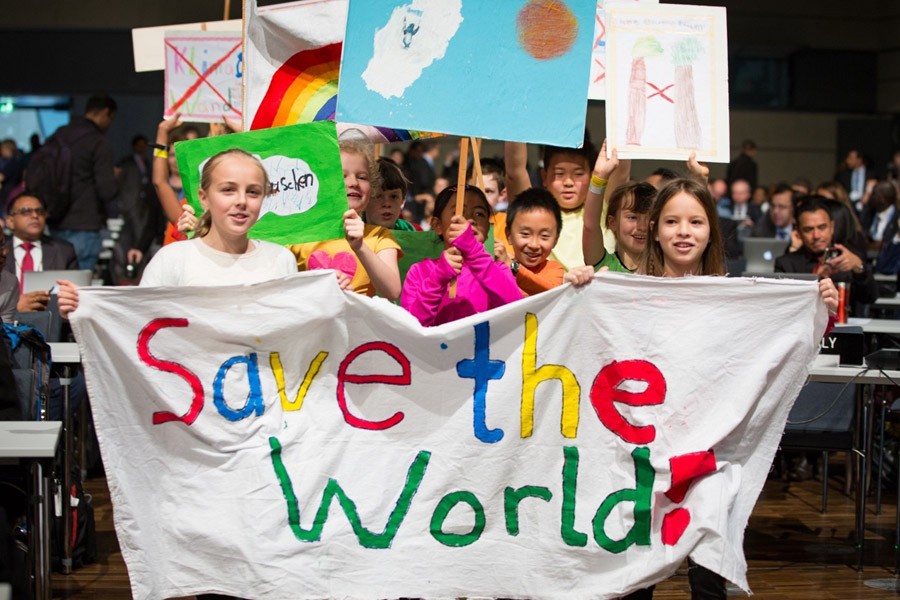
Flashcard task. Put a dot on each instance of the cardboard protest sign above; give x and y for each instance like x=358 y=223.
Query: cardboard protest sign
x=203 y=76
x=293 y=58
x=290 y=440
x=148 y=43
x=667 y=77
x=307 y=199
x=597 y=88
x=415 y=65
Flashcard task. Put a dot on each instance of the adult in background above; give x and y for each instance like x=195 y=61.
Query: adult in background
x=879 y=216
x=778 y=222
x=853 y=176
x=144 y=222
x=819 y=253
x=31 y=250
x=418 y=166
x=93 y=185
x=744 y=165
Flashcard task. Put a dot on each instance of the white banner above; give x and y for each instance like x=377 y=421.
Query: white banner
x=290 y=440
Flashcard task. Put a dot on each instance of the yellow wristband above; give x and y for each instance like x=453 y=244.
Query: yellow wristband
x=598 y=181
x=157 y=153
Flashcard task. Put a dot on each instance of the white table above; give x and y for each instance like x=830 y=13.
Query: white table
x=882 y=278
x=28 y=439
x=860 y=375
x=67 y=354
x=891 y=326
x=887 y=302
x=35 y=442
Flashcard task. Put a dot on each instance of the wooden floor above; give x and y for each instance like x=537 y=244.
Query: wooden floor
x=793 y=551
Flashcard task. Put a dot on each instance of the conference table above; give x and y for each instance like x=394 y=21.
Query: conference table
x=35 y=442
x=67 y=355
x=866 y=377
x=889 y=326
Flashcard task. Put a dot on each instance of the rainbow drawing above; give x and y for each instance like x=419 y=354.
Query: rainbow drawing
x=304 y=89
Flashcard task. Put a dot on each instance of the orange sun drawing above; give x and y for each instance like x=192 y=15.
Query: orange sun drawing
x=546 y=28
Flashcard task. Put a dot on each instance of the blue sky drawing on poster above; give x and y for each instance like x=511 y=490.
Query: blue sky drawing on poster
x=513 y=71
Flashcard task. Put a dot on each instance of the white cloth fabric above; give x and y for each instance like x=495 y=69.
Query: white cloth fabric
x=194 y=263
x=230 y=502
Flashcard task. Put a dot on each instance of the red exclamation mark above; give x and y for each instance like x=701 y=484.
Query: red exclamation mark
x=685 y=469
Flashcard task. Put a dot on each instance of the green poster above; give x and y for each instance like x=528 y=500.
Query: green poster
x=307 y=200
x=419 y=245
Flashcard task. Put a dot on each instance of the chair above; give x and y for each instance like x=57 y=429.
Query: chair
x=822 y=419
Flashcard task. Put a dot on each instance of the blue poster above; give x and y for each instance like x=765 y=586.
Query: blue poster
x=514 y=71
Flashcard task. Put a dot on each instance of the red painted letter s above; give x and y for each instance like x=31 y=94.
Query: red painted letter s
x=170 y=367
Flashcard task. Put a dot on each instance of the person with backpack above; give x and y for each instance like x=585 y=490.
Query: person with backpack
x=73 y=173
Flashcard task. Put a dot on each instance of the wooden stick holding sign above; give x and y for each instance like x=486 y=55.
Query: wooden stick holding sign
x=227 y=9
x=461 y=177
x=476 y=163
x=460 y=190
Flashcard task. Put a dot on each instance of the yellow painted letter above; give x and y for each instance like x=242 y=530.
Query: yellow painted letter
x=311 y=372
x=532 y=376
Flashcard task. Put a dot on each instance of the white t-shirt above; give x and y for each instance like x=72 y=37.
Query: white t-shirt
x=193 y=262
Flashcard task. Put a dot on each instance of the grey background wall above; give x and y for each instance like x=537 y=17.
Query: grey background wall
x=77 y=48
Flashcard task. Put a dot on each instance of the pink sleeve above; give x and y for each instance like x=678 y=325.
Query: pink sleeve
x=425 y=288
x=494 y=276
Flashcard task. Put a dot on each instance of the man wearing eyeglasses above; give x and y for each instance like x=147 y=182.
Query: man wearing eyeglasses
x=31 y=250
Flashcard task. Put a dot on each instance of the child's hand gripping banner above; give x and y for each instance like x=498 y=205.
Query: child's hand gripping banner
x=290 y=440
x=307 y=198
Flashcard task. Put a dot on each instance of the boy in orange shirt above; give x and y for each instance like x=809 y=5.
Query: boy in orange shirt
x=533 y=225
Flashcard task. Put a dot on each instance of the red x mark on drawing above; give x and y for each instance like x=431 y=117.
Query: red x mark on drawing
x=202 y=77
x=602 y=31
x=661 y=92
x=603 y=68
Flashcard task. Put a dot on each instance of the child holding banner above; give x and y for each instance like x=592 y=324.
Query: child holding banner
x=232 y=187
x=533 y=224
x=368 y=255
x=684 y=241
x=481 y=282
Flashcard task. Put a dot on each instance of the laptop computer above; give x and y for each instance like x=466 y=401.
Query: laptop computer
x=761 y=253
x=42 y=281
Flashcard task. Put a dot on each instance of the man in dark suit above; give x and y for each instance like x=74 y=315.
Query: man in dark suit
x=31 y=250
x=841 y=263
x=855 y=176
x=744 y=166
x=778 y=222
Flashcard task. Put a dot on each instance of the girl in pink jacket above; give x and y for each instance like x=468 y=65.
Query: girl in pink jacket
x=481 y=282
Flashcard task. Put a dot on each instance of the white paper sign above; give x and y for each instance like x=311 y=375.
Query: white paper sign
x=149 y=49
x=203 y=75
x=290 y=440
x=667 y=82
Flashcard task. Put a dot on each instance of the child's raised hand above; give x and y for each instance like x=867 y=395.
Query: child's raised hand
x=579 y=275
x=454 y=258
x=458 y=225
x=187 y=222
x=354 y=229
x=829 y=295
x=171 y=123
x=604 y=167
x=696 y=168
x=501 y=254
